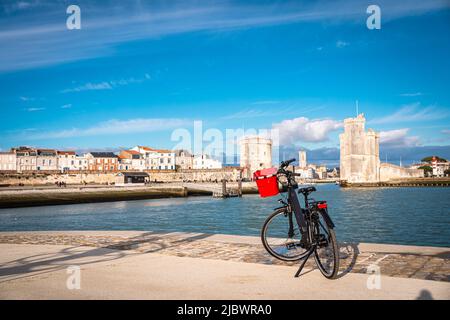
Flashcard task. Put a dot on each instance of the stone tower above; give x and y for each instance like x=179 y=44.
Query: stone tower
x=302 y=159
x=256 y=154
x=360 y=159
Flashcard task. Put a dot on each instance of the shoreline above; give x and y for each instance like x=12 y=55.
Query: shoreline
x=63 y=196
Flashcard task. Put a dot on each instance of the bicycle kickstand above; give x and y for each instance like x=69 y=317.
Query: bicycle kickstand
x=304 y=262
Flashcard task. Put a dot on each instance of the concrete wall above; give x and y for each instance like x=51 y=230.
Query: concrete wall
x=390 y=171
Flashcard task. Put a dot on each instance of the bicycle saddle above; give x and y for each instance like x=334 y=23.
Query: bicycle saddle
x=307 y=190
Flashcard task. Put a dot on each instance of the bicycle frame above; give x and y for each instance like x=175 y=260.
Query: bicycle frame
x=302 y=216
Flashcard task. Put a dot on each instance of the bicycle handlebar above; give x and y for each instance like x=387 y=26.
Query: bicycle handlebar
x=286 y=163
x=282 y=169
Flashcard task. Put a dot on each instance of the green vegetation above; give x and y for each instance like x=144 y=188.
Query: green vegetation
x=426 y=169
x=429 y=159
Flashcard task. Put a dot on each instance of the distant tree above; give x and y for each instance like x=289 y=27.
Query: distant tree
x=429 y=159
x=426 y=169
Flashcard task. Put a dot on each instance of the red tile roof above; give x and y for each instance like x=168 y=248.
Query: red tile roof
x=71 y=153
x=155 y=150
x=131 y=151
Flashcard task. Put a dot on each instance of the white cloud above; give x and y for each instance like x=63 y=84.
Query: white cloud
x=90 y=86
x=66 y=106
x=398 y=138
x=107 y=85
x=26 y=98
x=306 y=130
x=34 y=109
x=413 y=112
x=341 y=44
x=113 y=127
x=412 y=94
x=446 y=131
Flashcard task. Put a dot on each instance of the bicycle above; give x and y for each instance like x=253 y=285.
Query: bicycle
x=313 y=230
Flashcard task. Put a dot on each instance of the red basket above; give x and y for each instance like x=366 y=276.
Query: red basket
x=267 y=183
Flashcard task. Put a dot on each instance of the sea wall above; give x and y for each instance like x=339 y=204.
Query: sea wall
x=231 y=174
x=390 y=171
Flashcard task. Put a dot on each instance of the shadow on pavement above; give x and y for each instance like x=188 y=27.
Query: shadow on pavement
x=78 y=255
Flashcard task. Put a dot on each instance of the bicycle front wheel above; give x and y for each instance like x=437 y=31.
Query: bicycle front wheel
x=277 y=240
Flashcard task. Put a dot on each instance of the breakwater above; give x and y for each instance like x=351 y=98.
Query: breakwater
x=44 y=196
x=421 y=182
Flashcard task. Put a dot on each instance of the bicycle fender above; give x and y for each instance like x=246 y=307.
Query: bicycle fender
x=327 y=218
x=285 y=208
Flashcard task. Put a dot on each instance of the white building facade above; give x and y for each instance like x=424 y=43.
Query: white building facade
x=47 y=160
x=70 y=161
x=26 y=159
x=157 y=159
x=204 y=161
x=8 y=161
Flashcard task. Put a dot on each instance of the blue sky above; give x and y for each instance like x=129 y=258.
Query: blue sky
x=137 y=70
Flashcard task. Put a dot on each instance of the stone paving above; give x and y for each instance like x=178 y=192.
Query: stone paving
x=405 y=265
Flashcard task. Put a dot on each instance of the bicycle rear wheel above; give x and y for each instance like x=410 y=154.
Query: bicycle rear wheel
x=327 y=251
x=276 y=240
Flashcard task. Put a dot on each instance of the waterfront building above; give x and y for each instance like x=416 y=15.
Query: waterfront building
x=8 y=161
x=321 y=172
x=255 y=154
x=302 y=159
x=333 y=173
x=26 y=158
x=70 y=161
x=157 y=159
x=204 y=161
x=305 y=172
x=439 y=167
x=184 y=160
x=47 y=160
x=131 y=160
x=102 y=161
x=360 y=156
x=131 y=178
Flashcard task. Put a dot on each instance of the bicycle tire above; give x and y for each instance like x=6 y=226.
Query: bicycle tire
x=269 y=248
